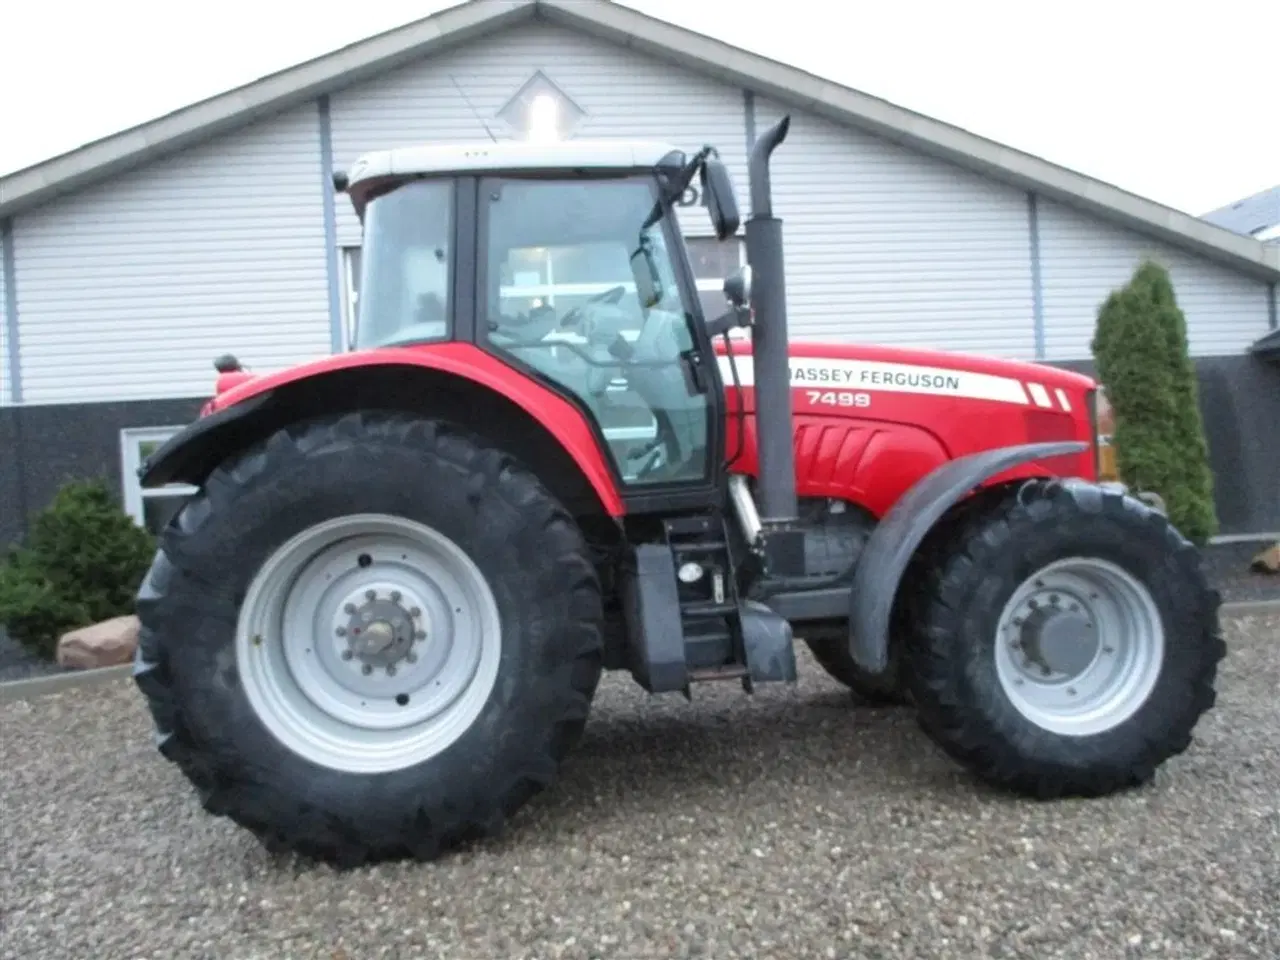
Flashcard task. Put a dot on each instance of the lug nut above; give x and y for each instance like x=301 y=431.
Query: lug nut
x=366 y=669
x=349 y=608
x=395 y=596
x=391 y=670
x=347 y=654
x=371 y=595
x=341 y=631
x=1071 y=691
x=420 y=635
x=415 y=612
x=411 y=657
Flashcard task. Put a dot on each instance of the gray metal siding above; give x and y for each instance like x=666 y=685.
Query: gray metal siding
x=889 y=246
x=623 y=94
x=129 y=290
x=1083 y=259
x=6 y=388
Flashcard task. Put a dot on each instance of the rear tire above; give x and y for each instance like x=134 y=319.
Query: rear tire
x=286 y=724
x=1068 y=643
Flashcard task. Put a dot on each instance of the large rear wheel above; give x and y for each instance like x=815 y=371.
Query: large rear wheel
x=370 y=638
x=1068 y=643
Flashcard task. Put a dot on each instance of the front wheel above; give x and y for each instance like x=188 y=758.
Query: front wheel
x=1068 y=645
x=370 y=638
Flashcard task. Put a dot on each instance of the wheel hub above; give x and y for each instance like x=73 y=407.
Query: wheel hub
x=1058 y=638
x=380 y=631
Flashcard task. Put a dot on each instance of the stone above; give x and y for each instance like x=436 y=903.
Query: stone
x=1268 y=561
x=106 y=644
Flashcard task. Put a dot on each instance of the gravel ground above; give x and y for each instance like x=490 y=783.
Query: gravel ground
x=787 y=825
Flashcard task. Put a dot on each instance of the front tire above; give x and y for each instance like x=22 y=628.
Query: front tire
x=370 y=638
x=1068 y=643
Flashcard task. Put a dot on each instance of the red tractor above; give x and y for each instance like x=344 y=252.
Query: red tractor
x=377 y=629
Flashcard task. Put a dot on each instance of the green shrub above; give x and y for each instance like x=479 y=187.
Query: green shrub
x=1140 y=350
x=81 y=563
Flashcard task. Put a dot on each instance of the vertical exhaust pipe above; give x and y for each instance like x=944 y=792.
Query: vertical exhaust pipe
x=777 y=480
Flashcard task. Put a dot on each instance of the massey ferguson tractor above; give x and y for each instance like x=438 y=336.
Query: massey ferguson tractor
x=377 y=629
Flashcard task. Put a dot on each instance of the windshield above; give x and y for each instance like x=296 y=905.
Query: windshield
x=405 y=266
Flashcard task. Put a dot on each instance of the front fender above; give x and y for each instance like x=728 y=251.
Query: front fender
x=900 y=532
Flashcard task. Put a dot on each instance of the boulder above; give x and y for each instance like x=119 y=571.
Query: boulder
x=1268 y=561
x=106 y=644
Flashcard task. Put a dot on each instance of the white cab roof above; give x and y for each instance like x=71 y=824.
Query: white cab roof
x=510 y=155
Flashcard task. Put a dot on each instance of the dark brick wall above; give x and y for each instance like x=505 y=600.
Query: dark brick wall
x=46 y=446
x=1240 y=403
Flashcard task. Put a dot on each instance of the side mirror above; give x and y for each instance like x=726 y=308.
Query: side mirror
x=737 y=286
x=722 y=204
x=644 y=270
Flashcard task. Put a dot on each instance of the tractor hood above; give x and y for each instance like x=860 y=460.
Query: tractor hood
x=867 y=367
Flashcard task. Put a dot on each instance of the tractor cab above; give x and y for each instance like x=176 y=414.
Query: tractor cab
x=566 y=262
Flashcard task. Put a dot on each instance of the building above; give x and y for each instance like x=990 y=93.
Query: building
x=1257 y=216
x=130 y=263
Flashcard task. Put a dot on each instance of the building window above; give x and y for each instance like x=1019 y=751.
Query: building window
x=150 y=508
x=350 y=290
x=713 y=260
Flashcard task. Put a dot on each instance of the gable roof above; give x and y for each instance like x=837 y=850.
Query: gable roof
x=1257 y=215
x=788 y=85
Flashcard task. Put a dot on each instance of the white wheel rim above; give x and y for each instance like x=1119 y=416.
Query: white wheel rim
x=1079 y=646
x=368 y=643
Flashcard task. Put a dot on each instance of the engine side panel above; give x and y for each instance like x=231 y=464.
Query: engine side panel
x=870 y=422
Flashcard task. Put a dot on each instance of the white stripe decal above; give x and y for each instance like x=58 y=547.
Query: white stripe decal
x=871 y=375
x=1039 y=394
x=1062 y=399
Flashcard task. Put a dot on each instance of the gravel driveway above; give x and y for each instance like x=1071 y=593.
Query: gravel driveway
x=787 y=825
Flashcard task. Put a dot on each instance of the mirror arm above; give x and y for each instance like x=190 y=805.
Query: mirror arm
x=736 y=317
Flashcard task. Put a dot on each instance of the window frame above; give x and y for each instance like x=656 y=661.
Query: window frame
x=133 y=495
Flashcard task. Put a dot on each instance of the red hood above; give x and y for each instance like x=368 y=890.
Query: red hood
x=941 y=359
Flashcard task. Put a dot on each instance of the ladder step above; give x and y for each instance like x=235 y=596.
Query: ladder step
x=706 y=608
x=706 y=546
x=730 y=671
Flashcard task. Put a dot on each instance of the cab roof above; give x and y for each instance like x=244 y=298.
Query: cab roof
x=514 y=155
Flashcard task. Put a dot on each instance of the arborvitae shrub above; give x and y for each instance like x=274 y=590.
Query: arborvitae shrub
x=1140 y=351
x=82 y=562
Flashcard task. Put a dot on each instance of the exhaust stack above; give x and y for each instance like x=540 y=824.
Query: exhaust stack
x=777 y=481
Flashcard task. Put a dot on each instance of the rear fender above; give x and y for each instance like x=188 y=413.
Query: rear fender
x=457 y=382
x=895 y=539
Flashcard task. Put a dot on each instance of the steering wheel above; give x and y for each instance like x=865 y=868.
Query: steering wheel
x=575 y=316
